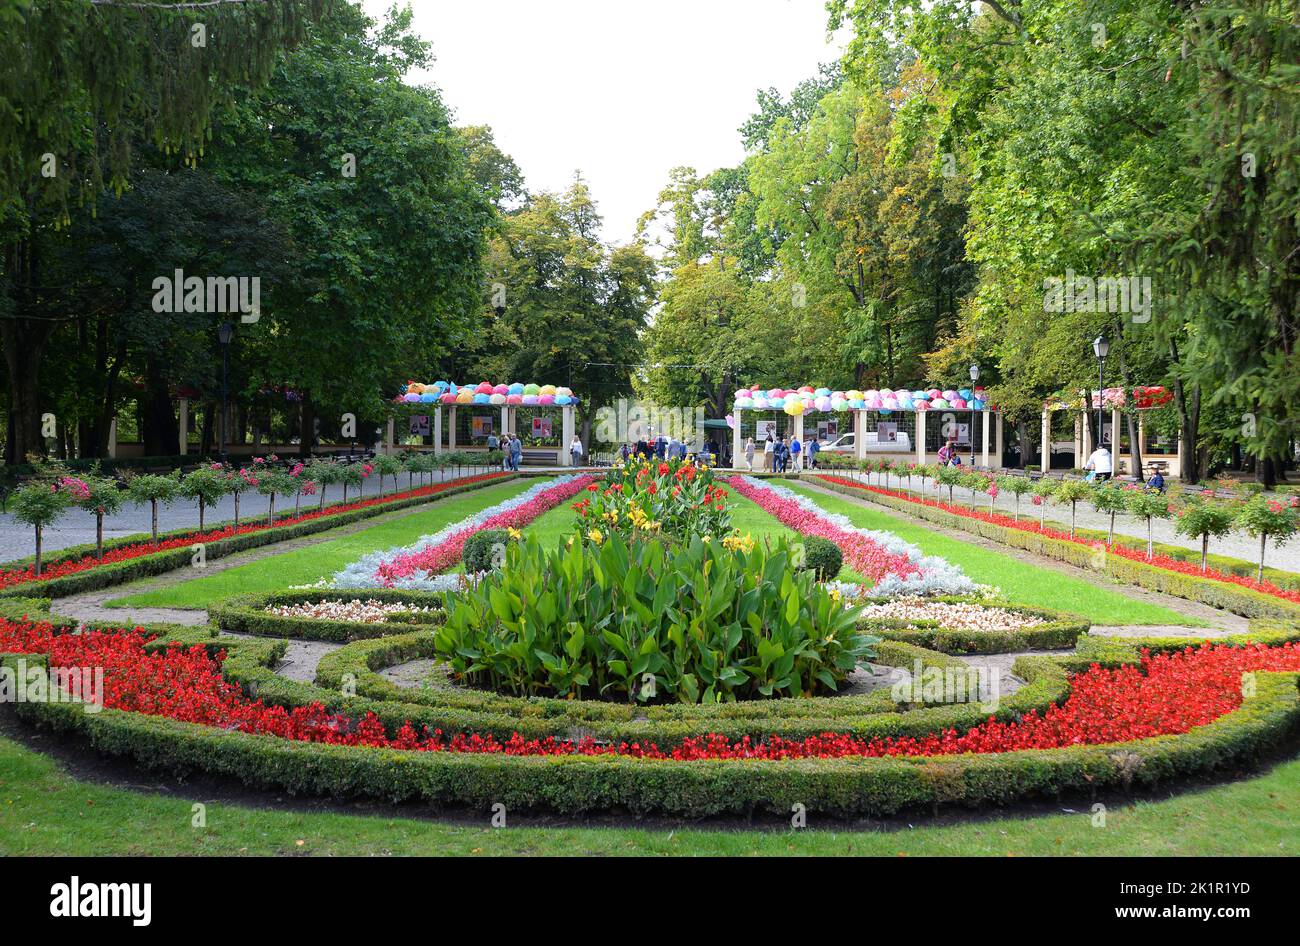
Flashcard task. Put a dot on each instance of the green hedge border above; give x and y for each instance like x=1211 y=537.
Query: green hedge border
x=1218 y=594
x=1060 y=632
x=246 y=614
x=576 y=785
x=117 y=573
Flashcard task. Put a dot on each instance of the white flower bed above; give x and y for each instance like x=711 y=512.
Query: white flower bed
x=957 y=616
x=361 y=573
x=937 y=576
x=369 y=611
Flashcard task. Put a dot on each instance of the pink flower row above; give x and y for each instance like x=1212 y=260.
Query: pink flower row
x=435 y=559
x=868 y=558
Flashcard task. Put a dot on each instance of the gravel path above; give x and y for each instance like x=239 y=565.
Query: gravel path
x=77 y=526
x=1237 y=545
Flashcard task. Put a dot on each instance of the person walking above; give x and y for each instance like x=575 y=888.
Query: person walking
x=814 y=447
x=516 y=452
x=575 y=451
x=796 y=450
x=769 y=454
x=749 y=454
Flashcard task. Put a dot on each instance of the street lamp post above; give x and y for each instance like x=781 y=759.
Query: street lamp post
x=225 y=331
x=974 y=376
x=1101 y=348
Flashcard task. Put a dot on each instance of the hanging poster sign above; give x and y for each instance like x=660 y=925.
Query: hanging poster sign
x=480 y=427
x=420 y=426
x=541 y=427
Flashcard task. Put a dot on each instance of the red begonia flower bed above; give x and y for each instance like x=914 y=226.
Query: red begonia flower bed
x=1167 y=694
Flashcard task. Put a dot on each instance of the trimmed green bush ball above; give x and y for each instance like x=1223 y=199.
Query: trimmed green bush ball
x=478 y=551
x=822 y=556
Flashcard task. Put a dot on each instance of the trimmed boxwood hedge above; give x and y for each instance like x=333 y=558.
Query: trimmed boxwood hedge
x=442 y=705
x=1218 y=594
x=574 y=784
x=246 y=614
x=118 y=573
x=1060 y=632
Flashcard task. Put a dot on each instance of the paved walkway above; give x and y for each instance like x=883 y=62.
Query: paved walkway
x=1238 y=544
x=77 y=527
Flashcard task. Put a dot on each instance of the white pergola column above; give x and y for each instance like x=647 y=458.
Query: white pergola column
x=737 y=441
x=1000 y=441
x=860 y=434
x=1086 y=432
x=984 y=452
x=390 y=438
x=451 y=428
x=112 y=438
x=1047 y=439
x=437 y=430
x=569 y=427
x=920 y=438
x=184 y=425
x=1116 y=439
x=798 y=432
x=505 y=418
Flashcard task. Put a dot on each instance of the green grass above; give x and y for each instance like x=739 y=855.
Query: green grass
x=1021 y=582
x=45 y=811
x=306 y=565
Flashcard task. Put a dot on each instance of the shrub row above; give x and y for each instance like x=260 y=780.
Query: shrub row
x=117 y=573
x=247 y=614
x=443 y=705
x=575 y=784
x=1218 y=594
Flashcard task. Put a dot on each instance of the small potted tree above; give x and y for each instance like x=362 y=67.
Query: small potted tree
x=1109 y=497
x=1044 y=489
x=102 y=497
x=1017 y=486
x=1071 y=491
x=1148 y=504
x=1204 y=518
x=1265 y=519
x=39 y=503
x=153 y=488
x=205 y=486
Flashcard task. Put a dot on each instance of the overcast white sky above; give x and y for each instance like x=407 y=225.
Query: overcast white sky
x=623 y=90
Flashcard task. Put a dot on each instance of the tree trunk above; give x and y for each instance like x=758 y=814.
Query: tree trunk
x=99 y=534
x=201 y=508
x=1262 y=540
x=1205 y=551
x=159 y=431
x=24 y=346
x=153 y=503
x=270 y=510
x=306 y=425
x=1189 y=419
x=1110 y=539
x=236 y=510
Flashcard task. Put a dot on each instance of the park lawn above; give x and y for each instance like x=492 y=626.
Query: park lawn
x=1021 y=582
x=45 y=811
x=746 y=517
x=304 y=566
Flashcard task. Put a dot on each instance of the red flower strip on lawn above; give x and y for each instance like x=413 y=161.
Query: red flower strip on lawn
x=140 y=549
x=1168 y=694
x=868 y=558
x=433 y=560
x=1023 y=525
